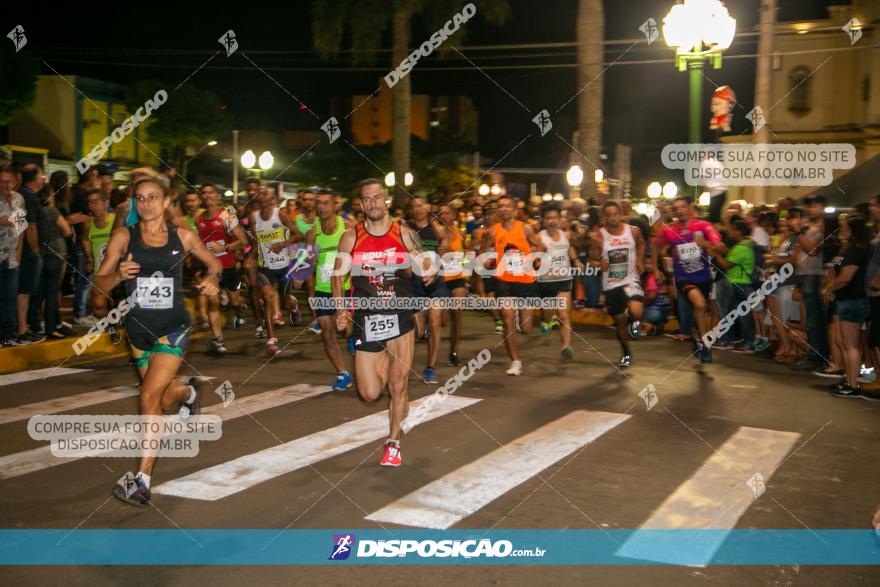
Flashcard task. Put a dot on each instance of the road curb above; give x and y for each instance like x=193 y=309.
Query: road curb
x=602 y=319
x=54 y=351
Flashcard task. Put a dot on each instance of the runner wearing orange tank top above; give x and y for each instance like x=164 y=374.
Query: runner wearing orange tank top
x=456 y=266
x=515 y=277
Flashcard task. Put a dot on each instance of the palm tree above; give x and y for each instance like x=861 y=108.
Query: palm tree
x=367 y=21
x=590 y=36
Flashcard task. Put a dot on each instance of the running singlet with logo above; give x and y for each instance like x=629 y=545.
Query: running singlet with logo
x=328 y=248
x=368 y=258
x=560 y=262
x=158 y=305
x=268 y=233
x=100 y=238
x=430 y=243
x=620 y=251
x=453 y=262
x=689 y=261
x=512 y=248
x=218 y=230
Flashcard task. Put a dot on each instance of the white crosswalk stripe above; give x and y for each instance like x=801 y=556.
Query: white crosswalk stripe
x=37 y=459
x=715 y=497
x=457 y=495
x=70 y=402
x=244 y=472
x=25 y=376
x=717 y=494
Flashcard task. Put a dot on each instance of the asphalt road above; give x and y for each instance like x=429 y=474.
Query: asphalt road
x=594 y=457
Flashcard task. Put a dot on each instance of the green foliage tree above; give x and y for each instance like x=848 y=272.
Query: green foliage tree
x=190 y=117
x=18 y=78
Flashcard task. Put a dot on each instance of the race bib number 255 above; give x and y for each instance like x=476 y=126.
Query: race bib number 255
x=381 y=327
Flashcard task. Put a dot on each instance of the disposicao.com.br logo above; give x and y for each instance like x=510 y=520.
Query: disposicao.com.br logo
x=344 y=545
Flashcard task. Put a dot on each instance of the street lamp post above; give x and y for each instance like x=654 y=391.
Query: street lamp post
x=250 y=162
x=698 y=30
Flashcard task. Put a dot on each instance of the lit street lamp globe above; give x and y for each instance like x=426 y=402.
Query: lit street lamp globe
x=574 y=176
x=390 y=179
x=266 y=160
x=670 y=190
x=654 y=189
x=699 y=25
x=483 y=189
x=248 y=159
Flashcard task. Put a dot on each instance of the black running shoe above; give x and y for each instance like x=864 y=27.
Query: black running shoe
x=188 y=409
x=216 y=346
x=635 y=329
x=845 y=390
x=625 y=361
x=139 y=496
x=453 y=359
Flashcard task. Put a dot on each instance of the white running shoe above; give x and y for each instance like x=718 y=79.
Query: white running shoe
x=86 y=321
x=515 y=368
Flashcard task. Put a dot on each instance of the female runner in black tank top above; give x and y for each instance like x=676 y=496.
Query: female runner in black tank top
x=148 y=258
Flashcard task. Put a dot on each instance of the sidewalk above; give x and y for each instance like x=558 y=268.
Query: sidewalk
x=51 y=352
x=55 y=351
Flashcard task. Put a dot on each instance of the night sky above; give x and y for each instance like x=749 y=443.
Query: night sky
x=645 y=105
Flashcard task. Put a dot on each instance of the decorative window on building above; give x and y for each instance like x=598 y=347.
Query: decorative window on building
x=799 y=98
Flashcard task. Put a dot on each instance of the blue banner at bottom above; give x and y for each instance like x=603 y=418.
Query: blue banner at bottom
x=439 y=547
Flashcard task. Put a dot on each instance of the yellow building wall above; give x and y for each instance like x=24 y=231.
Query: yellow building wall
x=50 y=122
x=124 y=150
x=95 y=124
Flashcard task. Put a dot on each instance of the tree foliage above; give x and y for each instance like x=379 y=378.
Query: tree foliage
x=18 y=78
x=190 y=117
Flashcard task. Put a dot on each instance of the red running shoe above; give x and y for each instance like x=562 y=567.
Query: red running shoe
x=392 y=454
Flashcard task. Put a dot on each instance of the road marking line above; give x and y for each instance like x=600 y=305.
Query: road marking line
x=40 y=458
x=25 y=376
x=455 y=496
x=714 y=497
x=70 y=402
x=244 y=472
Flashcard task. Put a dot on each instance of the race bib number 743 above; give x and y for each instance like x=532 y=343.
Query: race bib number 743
x=155 y=293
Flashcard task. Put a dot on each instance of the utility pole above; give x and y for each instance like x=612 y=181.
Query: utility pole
x=762 y=81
